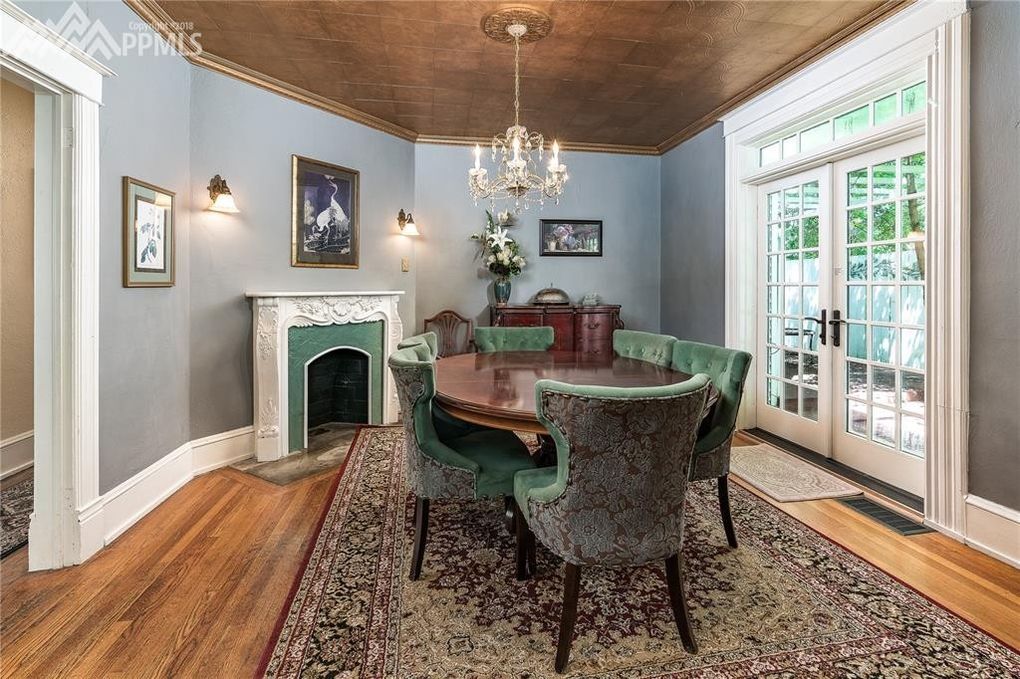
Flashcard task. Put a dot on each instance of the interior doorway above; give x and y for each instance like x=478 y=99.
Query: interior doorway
x=842 y=331
x=17 y=213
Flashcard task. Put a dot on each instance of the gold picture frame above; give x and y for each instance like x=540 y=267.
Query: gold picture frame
x=149 y=258
x=325 y=215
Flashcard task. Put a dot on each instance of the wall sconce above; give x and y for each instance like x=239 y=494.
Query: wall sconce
x=407 y=226
x=222 y=199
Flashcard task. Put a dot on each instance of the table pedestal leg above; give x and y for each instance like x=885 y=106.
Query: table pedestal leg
x=546 y=455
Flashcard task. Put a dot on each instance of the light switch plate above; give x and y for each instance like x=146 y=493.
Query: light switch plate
x=405 y=264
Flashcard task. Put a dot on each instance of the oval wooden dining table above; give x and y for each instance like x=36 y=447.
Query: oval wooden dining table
x=498 y=389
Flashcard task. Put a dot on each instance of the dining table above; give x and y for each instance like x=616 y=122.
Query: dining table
x=497 y=389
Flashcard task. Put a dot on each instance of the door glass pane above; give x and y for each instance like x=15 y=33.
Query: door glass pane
x=773 y=269
x=790 y=146
x=774 y=238
x=809 y=198
x=883 y=262
x=811 y=266
x=775 y=206
x=883 y=344
x=883 y=181
x=883 y=386
x=810 y=301
x=772 y=394
x=810 y=232
x=856 y=340
x=791 y=238
x=792 y=297
x=883 y=304
x=912 y=392
x=912 y=261
x=912 y=304
x=912 y=180
x=857 y=226
x=913 y=348
x=883 y=426
x=912 y=218
x=791 y=268
x=771 y=153
x=775 y=331
x=857 y=418
x=809 y=403
x=773 y=299
x=857 y=187
x=790 y=398
x=857 y=264
x=857 y=379
x=791 y=365
x=857 y=302
x=912 y=438
x=809 y=369
x=774 y=361
x=791 y=202
x=883 y=221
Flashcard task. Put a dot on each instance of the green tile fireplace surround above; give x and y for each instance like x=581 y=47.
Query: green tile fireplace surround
x=307 y=343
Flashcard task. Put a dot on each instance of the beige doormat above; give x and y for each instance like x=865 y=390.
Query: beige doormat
x=784 y=477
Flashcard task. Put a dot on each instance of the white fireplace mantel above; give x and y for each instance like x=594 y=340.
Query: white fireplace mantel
x=273 y=313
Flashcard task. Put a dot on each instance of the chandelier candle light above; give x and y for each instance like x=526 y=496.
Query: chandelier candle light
x=517 y=177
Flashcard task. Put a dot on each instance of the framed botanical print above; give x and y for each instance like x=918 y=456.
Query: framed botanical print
x=149 y=224
x=324 y=215
x=570 y=238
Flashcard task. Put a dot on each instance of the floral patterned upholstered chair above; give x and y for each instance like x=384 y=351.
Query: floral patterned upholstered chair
x=644 y=346
x=728 y=370
x=539 y=338
x=477 y=464
x=616 y=496
x=429 y=339
x=447 y=426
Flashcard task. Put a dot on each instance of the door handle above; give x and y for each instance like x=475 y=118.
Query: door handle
x=822 y=323
x=837 y=326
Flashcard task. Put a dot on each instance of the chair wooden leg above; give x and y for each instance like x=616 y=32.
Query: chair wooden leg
x=521 y=529
x=421 y=531
x=679 y=603
x=532 y=557
x=724 y=507
x=571 y=587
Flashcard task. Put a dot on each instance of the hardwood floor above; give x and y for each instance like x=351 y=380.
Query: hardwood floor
x=194 y=589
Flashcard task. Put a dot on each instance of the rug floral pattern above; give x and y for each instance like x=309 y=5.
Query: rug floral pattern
x=15 y=510
x=787 y=603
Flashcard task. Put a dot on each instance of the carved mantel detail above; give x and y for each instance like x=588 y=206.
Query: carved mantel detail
x=273 y=313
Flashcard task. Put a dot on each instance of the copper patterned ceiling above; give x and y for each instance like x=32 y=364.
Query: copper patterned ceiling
x=617 y=73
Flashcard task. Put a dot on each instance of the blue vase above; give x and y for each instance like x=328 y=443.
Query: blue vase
x=501 y=290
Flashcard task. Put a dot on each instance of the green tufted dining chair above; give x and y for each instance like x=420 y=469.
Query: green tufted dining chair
x=644 y=346
x=475 y=465
x=616 y=495
x=728 y=370
x=447 y=426
x=429 y=339
x=540 y=338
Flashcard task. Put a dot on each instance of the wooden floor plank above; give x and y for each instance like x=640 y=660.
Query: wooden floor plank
x=195 y=587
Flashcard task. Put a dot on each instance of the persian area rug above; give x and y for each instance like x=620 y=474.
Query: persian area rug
x=786 y=603
x=15 y=509
x=785 y=477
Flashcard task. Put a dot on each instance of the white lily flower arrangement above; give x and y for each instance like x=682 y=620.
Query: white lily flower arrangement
x=500 y=253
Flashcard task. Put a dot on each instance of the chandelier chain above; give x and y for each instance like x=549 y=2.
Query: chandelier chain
x=517 y=80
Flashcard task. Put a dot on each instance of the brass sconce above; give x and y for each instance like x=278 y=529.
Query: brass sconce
x=407 y=225
x=222 y=199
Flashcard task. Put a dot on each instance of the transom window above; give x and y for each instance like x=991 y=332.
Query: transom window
x=900 y=102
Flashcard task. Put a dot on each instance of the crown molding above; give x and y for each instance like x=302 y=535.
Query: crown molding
x=162 y=23
x=629 y=149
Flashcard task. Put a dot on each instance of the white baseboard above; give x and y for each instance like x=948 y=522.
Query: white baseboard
x=220 y=450
x=116 y=510
x=993 y=529
x=16 y=453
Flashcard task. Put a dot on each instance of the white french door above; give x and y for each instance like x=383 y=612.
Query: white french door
x=842 y=318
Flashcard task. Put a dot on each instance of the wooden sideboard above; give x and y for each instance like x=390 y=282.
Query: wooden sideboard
x=588 y=329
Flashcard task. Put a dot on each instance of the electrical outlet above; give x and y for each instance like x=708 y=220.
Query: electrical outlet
x=405 y=264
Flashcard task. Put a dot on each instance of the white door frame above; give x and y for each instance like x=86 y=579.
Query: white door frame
x=933 y=38
x=67 y=287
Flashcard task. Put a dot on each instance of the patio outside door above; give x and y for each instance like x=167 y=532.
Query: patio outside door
x=842 y=335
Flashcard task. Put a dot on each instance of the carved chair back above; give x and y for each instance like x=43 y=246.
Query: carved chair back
x=453 y=331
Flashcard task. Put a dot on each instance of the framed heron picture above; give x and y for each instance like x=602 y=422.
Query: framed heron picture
x=324 y=215
x=149 y=223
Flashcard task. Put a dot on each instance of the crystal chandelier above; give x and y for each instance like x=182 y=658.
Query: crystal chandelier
x=517 y=179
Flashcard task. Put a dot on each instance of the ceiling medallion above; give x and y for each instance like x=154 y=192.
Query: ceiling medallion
x=517 y=179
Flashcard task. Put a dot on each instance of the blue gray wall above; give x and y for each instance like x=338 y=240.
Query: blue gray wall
x=995 y=251
x=247 y=135
x=144 y=126
x=693 y=232
x=621 y=190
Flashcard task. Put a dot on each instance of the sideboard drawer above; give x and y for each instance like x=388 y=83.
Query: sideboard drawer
x=595 y=346
x=518 y=319
x=594 y=326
